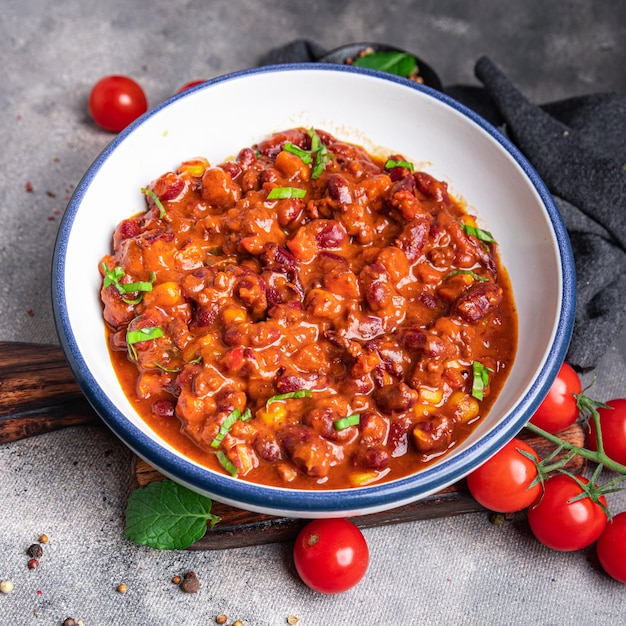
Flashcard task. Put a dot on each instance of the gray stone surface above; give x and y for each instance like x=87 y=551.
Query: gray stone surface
x=73 y=484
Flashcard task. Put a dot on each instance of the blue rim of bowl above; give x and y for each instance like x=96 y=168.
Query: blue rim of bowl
x=303 y=502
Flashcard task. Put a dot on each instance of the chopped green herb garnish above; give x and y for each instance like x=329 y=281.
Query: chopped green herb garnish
x=167 y=516
x=479 y=233
x=300 y=393
x=137 y=336
x=227 y=424
x=480 y=379
x=474 y=275
x=157 y=200
x=391 y=163
x=346 y=422
x=225 y=427
x=303 y=154
x=173 y=370
x=320 y=152
x=226 y=463
x=398 y=63
x=286 y=192
x=113 y=277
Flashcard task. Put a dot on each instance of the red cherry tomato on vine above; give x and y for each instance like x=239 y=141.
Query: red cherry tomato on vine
x=611 y=548
x=331 y=555
x=186 y=86
x=116 y=101
x=501 y=483
x=561 y=524
x=613 y=429
x=558 y=409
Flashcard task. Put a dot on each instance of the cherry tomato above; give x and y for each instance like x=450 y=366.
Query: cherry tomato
x=189 y=85
x=613 y=428
x=331 y=555
x=116 y=101
x=558 y=409
x=611 y=548
x=501 y=483
x=561 y=524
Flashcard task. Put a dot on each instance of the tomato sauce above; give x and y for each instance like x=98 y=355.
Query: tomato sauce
x=307 y=314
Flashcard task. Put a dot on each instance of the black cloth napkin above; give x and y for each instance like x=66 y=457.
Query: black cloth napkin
x=578 y=147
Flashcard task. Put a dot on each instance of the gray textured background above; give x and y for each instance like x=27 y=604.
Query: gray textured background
x=73 y=484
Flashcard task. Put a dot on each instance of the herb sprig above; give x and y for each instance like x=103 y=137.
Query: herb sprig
x=167 y=516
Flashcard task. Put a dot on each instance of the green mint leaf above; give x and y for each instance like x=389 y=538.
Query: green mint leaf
x=399 y=63
x=167 y=516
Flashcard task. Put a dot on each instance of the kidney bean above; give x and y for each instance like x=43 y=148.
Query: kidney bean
x=267 y=447
x=329 y=234
x=479 y=299
x=339 y=189
x=434 y=434
x=398 y=440
x=127 y=229
x=377 y=289
x=204 y=316
x=165 y=409
x=167 y=187
x=246 y=158
x=413 y=237
x=308 y=451
x=396 y=397
x=431 y=187
x=373 y=458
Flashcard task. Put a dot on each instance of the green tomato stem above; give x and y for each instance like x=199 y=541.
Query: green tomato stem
x=598 y=456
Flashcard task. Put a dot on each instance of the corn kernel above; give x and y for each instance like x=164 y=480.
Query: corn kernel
x=362 y=478
x=233 y=315
x=274 y=413
x=428 y=395
x=194 y=167
x=165 y=295
x=466 y=407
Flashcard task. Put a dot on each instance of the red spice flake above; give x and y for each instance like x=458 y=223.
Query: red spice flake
x=39 y=592
x=57 y=212
x=30 y=313
x=51 y=194
x=28 y=187
x=51 y=218
x=18 y=118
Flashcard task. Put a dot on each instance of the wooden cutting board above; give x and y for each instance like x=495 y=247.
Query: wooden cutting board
x=38 y=394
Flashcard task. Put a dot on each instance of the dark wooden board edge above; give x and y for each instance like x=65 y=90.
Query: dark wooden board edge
x=240 y=528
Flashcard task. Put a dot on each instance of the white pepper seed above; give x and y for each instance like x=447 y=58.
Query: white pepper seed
x=6 y=586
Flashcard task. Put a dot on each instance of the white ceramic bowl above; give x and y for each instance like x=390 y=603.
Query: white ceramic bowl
x=375 y=110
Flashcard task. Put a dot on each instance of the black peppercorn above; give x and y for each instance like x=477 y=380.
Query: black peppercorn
x=36 y=551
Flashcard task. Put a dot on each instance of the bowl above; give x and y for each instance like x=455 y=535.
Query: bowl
x=348 y=52
x=375 y=110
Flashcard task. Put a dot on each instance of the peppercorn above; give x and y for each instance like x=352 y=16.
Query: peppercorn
x=6 y=586
x=43 y=538
x=221 y=619
x=292 y=619
x=238 y=623
x=122 y=588
x=176 y=580
x=35 y=551
x=70 y=621
x=33 y=564
x=190 y=583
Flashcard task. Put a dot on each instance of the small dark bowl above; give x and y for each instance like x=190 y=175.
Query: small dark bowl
x=352 y=50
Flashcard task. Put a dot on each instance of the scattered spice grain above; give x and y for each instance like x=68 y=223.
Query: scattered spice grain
x=35 y=551
x=292 y=619
x=176 y=580
x=122 y=588
x=33 y=564
x=43 y=539
x=190 y=583
x=221 y=619
x=6 y=586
